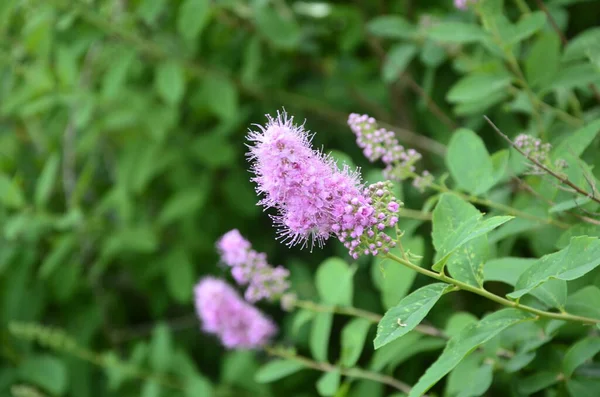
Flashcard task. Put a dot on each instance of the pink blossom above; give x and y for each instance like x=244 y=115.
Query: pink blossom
x=225 y=314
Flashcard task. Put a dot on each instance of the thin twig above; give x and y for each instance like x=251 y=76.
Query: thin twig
x=354 y=372
x=562 y=179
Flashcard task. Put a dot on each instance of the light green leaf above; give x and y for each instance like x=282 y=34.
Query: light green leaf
x=527 y=25
x=577 y=230
x=583 y=387
x=10 y=193
x=151 y=388
x=458 y=321
x=469 y=162
x=576 y=76
x=408 y=313
x=45 y=371
x=302 y=317
x=466 y=263
x=161 y=348
x=470 y=378
x=456 y=222
x=508 y=270
x=169 y=82
x=179 y=275
x=334 y=282
x=354 y=335
x=277 y=369
x=115 y=77
x=198 y=386
x=584 y=302
x=149 y=10
x=456 y=32
x=392 y=27
x=222 y=97
x=319 y=335
x=329 y=383
x=282 y=32
x=576 y=142
x=577 y=47
x=541 y=65
x=45 y=183
x=465 y=342
x=477 y=87
x=66 y=66
x=569 y=204
x=579 y=257
x=579 y=353
x=397 y=60
x=192 y=16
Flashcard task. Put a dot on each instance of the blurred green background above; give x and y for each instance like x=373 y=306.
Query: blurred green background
x=122 y=160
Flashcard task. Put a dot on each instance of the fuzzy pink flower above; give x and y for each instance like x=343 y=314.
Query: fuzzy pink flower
x=224 y=313
x=233 y=248
x=312 y=196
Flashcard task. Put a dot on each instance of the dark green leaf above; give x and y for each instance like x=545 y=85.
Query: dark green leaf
x=579 y=353
x=46 y=372
x=46 y=181
x=541 y=65
x=397 y=60
x=179 y=275
x=354 y=335
x=283 y=32
x=192 y=17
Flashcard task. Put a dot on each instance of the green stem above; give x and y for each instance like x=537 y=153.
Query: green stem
x=350 y=372
x=491 y=296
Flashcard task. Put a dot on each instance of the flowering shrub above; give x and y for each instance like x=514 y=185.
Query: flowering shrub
x=437 y=235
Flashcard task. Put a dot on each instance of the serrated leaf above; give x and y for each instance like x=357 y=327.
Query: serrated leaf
x=576 y=142
x=161 y=348
x=277 y=369
x=169 y=82
x=477 y=87
x=579 y=257
x=334 y=282
x=579 y=353
x=354 y=335
x=319 y=335
x=456 y=32
x=508 y=270
x=397 y=60
x=456 y=222
x=469 y=162
x=45 y=183
x=329 y=383
x=392 y=27
x=192 y=17
x=466 y=341
x=408 y=313
x=466 y=263
x=46 y=372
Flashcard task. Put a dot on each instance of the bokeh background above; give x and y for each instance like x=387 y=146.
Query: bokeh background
x=122 y=160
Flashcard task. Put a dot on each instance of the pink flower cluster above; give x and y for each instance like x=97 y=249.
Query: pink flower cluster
x=538 y=151
x=312 y=196
x=249 y=267
x=379 y=143
x=223 y=313
x=462 y=4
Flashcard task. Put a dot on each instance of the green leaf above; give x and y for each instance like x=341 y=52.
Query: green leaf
x=576 y=76
x=477 y=87
x=541 y=65
x=397 y=60
x=404 y=348
x=66 y=66
x=576 y=142
x=319 y=335
x=169 y=82
x=408 y=313
x=456 y=32
x=577 y=230
x=537 y=382
x=527 y=26
x=569 y=204
x=115 y=77
x=59 y=255
x=282 y=32
x=334 y=282
x=161 y=348
x=583 y=387
x=456 y=222
x=184 y=203
x=458 y=321
x=277 y=369
x=578 y=258
x=149 y=10
x=180 y=276
x=508 y=270
x=470 y=378
x=584 y=302
x=577 y=47
x=45 y=183
x=151 y=388
x=329 y=383
x=222 y=97
x=198 y=386
x=391 y=27
x=192 y=16
x=466 y=263
x=354 y=335
x=579 y=353
x=469 y=162
x=10 y=194
x=465 y=342
x=45 y=371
